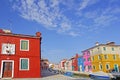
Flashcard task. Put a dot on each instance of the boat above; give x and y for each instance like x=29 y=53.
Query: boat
x=116 y=74
x=100 y=75
x=68 y=74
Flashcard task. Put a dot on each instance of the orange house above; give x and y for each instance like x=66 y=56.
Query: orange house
x=19 y=55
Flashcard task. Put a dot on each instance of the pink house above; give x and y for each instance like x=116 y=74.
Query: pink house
x=87 y=61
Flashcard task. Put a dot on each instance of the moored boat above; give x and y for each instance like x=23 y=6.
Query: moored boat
x=116 y=74
x=101 y=76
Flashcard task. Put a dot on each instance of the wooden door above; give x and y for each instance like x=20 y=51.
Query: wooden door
x=7 y=69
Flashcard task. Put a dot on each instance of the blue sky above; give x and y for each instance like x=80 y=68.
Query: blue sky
x=67 y=26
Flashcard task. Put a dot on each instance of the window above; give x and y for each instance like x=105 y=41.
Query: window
x=116 y=68
x=98 y=48
x=93 y=58
x=24 y=45
x=89 y=67
x=105 y=56
x=112 y=49
x=92 y=51
x=84 y=59
x=94 y=67
x=8 y=48
x=84 y=67
x=114 y=56
x=99 y=57
x=24 y=64
x=107 y=66
x=104 y=48
x=88 y=59
x=100 y=66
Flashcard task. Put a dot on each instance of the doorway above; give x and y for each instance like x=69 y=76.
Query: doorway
x=116 y=68
x=80 y=68
x=7 y=69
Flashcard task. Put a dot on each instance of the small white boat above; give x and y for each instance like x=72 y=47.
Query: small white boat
x=116 y=74
x=101 y=76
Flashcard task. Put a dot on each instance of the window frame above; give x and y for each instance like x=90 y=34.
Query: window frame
x=113 y=49
x=92 y=58
x=11 y=47
x=94 y=67
x=21 y=45
x=27 y=64
x=108 y=66
x=114 y=56
x=100 y=66
x=84 y=59
x=104 y=48
x=106 y=56
x=99 y=57
x=89 y=59
x=89 y=67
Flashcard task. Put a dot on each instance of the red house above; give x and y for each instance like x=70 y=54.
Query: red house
x=19 y=55
x=75 y=63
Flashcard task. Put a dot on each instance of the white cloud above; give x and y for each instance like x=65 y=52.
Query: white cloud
x=104 y=20
x=38 y=12
x=52 y=15
x=47 y=14
x=64 y=27
x=86 y=3
x=107 y=17
x=74 y=34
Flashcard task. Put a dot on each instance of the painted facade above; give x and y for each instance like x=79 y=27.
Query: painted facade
x=87 y=61
x=105 y=57
x=68 y=65
x=19 y=55
x=80 y=64
x=44 y=64
x=56 y=66
x=62 y=64
x=75 y=63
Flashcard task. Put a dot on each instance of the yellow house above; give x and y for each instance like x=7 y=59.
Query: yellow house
x=105 y=57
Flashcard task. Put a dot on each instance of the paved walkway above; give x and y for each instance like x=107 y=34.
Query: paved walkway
x=54 y=77
x=50 y=75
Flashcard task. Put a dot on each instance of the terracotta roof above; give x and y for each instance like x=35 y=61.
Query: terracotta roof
x=18 y=35
x=101 y=45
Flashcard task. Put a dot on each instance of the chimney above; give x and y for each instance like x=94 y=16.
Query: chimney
x=5 y=31
x=77 y=55
x=97 y=43
x=38 y=34
x=1 y=31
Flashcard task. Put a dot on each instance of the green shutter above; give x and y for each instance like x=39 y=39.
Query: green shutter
x=24 y=45
x=24 y=63
x=112 y=49
x=104 y=48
